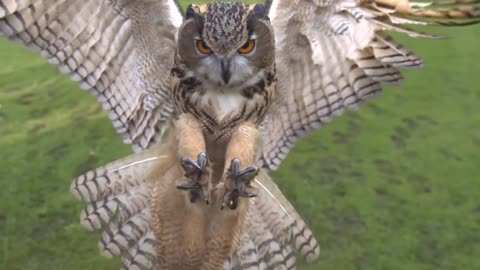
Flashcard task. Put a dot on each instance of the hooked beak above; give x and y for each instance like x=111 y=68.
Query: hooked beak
x=226 y=73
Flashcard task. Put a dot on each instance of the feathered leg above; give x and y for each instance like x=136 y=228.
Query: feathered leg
x=224 y=230
x=240 y=155
x=191 y=147
x=161 y=229
x=192 y=236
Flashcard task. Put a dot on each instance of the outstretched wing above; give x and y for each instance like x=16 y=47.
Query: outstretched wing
x=119 y=50
x=334 y=54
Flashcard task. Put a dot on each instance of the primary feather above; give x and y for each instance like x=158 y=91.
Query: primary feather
x=110 y=48
x=331 y=55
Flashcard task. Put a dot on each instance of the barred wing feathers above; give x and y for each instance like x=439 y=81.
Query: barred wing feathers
x=333 y=54
x=275 y=235
x=119 y=50
x=118 y=197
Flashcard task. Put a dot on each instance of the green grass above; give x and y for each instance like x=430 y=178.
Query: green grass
x=392 y=186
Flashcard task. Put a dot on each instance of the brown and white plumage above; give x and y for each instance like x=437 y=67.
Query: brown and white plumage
x=110 y=48
x=119 y=197
x=329 y=55
x=332 y=55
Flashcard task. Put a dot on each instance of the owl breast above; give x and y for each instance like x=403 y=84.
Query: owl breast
x=220 y=109
x=222 y=104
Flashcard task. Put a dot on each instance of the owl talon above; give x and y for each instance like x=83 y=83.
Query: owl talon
x=198 y=178
x=191 y=167
x=237 y=183
x=188 y=185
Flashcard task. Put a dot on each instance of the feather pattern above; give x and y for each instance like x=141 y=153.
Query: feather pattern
x=283 y=221
x=246 y=256
x=333 y=55
x=142 y=254
x=110 y=48
x=274 y=234
x=118 y=199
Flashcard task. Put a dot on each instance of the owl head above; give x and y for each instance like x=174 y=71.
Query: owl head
x=226 y=44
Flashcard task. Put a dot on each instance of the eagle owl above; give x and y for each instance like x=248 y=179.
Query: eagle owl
x=236 y=85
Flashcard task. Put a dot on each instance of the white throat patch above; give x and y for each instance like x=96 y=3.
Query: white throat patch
x=223 y=103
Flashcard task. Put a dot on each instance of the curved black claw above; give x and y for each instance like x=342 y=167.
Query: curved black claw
x=195 y=173
x=237 y=184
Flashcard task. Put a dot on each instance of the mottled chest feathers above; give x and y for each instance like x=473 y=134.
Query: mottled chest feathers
x=237 y=105
x=222 y=104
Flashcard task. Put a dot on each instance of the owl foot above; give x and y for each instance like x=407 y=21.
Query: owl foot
x=198 y=175
x=237 y=184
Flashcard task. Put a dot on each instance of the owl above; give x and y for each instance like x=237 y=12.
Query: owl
x=211 y=100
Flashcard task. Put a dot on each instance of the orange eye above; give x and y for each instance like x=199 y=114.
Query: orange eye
x=202 y=47
x=247 y=47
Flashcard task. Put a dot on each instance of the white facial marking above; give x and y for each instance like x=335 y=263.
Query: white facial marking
x=210 y=71
x=241 y=70
x=225 y=99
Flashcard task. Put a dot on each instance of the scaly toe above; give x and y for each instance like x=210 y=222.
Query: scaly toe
x=190 y=167
x=239 y=183
x=188 y=185
x=194 y=171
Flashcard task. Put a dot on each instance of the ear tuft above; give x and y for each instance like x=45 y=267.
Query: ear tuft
x=260 y=11
x=257 y=13
x=190 y=12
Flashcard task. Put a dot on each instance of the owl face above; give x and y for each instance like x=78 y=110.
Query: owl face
x=226 y=45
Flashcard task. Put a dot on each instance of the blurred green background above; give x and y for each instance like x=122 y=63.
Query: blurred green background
x=392 y=186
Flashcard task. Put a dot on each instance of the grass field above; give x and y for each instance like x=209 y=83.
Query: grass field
x=392 y=186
